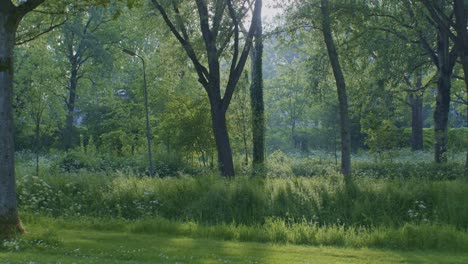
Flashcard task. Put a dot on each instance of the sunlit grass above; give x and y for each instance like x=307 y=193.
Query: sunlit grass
x=51 y=241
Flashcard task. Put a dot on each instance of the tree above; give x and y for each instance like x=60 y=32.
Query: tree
x=241 y=115
x=415 y=100
x=219 y=23
x=36 y=103
x=341 y=89
x=444 y=57
x=10 y=17
x=461 y=20
x=256 y=96
x=290 y=95
x=81 y=41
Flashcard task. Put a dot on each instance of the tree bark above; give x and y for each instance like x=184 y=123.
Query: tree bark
x=256 y=97
x=9 y=220
x=210 y=77
x=223 y=146
x=461 y=19
x=416 y=122
x=341 y=89
x=37 y=132
x=73 y=83
x=446 y=62
x=416 y=102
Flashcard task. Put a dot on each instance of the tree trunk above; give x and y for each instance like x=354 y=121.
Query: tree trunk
x=225 y=163
x=37 y=146
x=256 y=98
x=9 y=220
x=446 y=62
x=441 y=118
x=416 y=102
x=341 y=89
x=461 y=19
x=69 y=139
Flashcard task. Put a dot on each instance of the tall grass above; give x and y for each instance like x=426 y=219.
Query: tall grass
x=324 y=201
x=391 y=205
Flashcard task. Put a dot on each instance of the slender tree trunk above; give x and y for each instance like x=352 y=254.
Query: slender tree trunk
x=416 y=102
x=341 y=89
x=461 y=19
x=38 y=142
x=9 y=220
x=294 y=139
x=225 y=163
x=256 y=97
x=69 y=139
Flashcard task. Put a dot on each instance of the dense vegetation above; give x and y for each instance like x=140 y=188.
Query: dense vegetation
x=390 y=205
x=334 y=123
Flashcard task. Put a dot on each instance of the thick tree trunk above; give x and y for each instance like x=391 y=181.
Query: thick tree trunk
x=9 y=220
x=341 y=89
x=416 y=102
x=225 y=163
x=256 y=98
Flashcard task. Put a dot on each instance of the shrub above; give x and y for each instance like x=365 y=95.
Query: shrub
x=279 y=165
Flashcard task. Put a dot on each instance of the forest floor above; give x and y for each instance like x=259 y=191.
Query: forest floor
x=71 y=244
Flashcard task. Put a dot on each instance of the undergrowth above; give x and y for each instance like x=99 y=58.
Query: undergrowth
x=323 y=201
x=390 y=205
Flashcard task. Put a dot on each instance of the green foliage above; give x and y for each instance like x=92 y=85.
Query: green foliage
x=88 y=161
x=382 y=136
x=457 y=139
x=157 y=240
x=325 y=201
x=399 y=170
x=279 y=165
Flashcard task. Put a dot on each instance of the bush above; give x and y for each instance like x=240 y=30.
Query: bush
x=78 y=160
x=400 y=170
x=279 y=165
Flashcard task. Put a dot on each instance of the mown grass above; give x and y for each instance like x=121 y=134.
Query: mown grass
x=91 y=240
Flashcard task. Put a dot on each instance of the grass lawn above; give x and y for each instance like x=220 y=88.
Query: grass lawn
x=74 y=245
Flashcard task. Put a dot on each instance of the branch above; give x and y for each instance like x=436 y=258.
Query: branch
x=219 y=11
x=208 y=36
x=440 y=18
x=232 y=14
x=48 y=12
x=422 y=40
x=395 y=33
x=226 y=41
x=201 y=70
x=179 y=21
x=460 y=99
x=395 y=19
x=52 y=27
x=237 y=70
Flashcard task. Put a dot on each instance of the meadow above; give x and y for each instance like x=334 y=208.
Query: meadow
x=393 y=212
